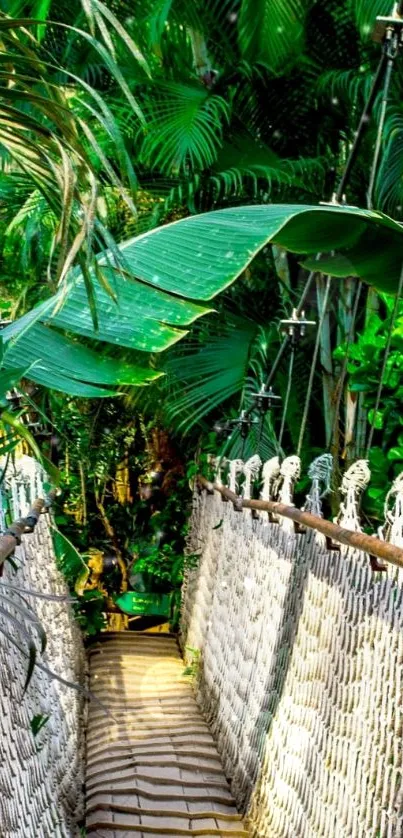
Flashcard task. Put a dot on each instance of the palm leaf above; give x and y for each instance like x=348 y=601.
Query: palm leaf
x=42 y=134
x=208 y=375
x=365 y=13
x=192 y=259
x=184 y=127
x=389 y=184
x=273 y=34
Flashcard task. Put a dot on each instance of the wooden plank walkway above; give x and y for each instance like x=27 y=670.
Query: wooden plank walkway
x=152 y=769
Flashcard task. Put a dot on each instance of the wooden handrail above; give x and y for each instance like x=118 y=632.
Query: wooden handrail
x=12 y=536
x=358 y=540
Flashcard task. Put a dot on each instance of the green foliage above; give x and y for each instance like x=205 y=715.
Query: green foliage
x=184 y=128
x=89 y=606
x=364 y=364
x=223 y=244
x=273 y=34
x=205 y=104
x=49 y=117
x=160 y=567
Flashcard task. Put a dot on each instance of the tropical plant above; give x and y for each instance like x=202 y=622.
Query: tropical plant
x=55 y=177
x=227 y=93
x=160 y=286
x=364 y=362
x=208 y=135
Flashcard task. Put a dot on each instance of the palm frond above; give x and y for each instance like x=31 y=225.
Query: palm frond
x=184 y=127
x=351 y=86
x=273 y=34
x=389 y=183
x=42 y=137
x=365 y=13
x=203 y=376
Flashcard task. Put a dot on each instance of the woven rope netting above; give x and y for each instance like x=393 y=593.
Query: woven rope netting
x=40 y=775
x=301 y=668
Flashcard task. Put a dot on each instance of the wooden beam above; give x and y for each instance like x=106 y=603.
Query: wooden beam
x=357 y=540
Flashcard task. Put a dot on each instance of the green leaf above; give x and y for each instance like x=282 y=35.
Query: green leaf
x=359 y=386
x=395 y=454
x=184 y=125
x=377 y=459
x=376 y=419
x=207 y=375
x=376 y=494
x=67 y=555
x=198 y=257
x=365 y=13
x=52 y=352
x=37 y=723
x=272 y=33
x=9 y=378
x=166 y=271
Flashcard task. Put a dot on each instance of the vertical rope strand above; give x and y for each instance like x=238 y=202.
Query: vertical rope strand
x=343 y=370
x=379 y=136
x=384 y=362
x=313 y=365
x=287 y=396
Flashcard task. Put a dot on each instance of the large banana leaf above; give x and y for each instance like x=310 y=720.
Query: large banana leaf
x=163 y=273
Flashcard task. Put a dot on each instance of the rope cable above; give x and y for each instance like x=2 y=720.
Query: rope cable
x=287 y=396
x=287 y=339
x=343 y=370
x=313 y=365
x=362 y=128
x=379 y=137
x=384 y=363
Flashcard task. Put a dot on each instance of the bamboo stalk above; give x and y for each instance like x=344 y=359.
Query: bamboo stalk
x=357 y=540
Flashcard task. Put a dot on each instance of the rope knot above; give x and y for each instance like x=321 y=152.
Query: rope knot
x=291 y=468
x=320 y=472
x=354 y=482
x=251 y=471
x=271 y=475
x=290 y=472
x=393 y=528
x=356 y=478
x=235 y=466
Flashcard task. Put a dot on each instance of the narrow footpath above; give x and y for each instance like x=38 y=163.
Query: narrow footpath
x=152 y=766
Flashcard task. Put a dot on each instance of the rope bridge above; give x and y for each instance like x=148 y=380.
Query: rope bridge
x=297 y=652
x=152 y=766
x=301 y=657
x=41 y=739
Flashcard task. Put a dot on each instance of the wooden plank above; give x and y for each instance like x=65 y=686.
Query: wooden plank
x=153 y=769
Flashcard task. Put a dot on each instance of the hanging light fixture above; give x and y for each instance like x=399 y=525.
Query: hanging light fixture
x=295 y=328
x=265 y=399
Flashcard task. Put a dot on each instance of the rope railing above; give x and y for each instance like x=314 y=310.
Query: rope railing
x=357 y=540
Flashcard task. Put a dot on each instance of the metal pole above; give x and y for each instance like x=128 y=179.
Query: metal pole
x=362 y=128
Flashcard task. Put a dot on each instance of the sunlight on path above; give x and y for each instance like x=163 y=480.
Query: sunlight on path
x=153 y=768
